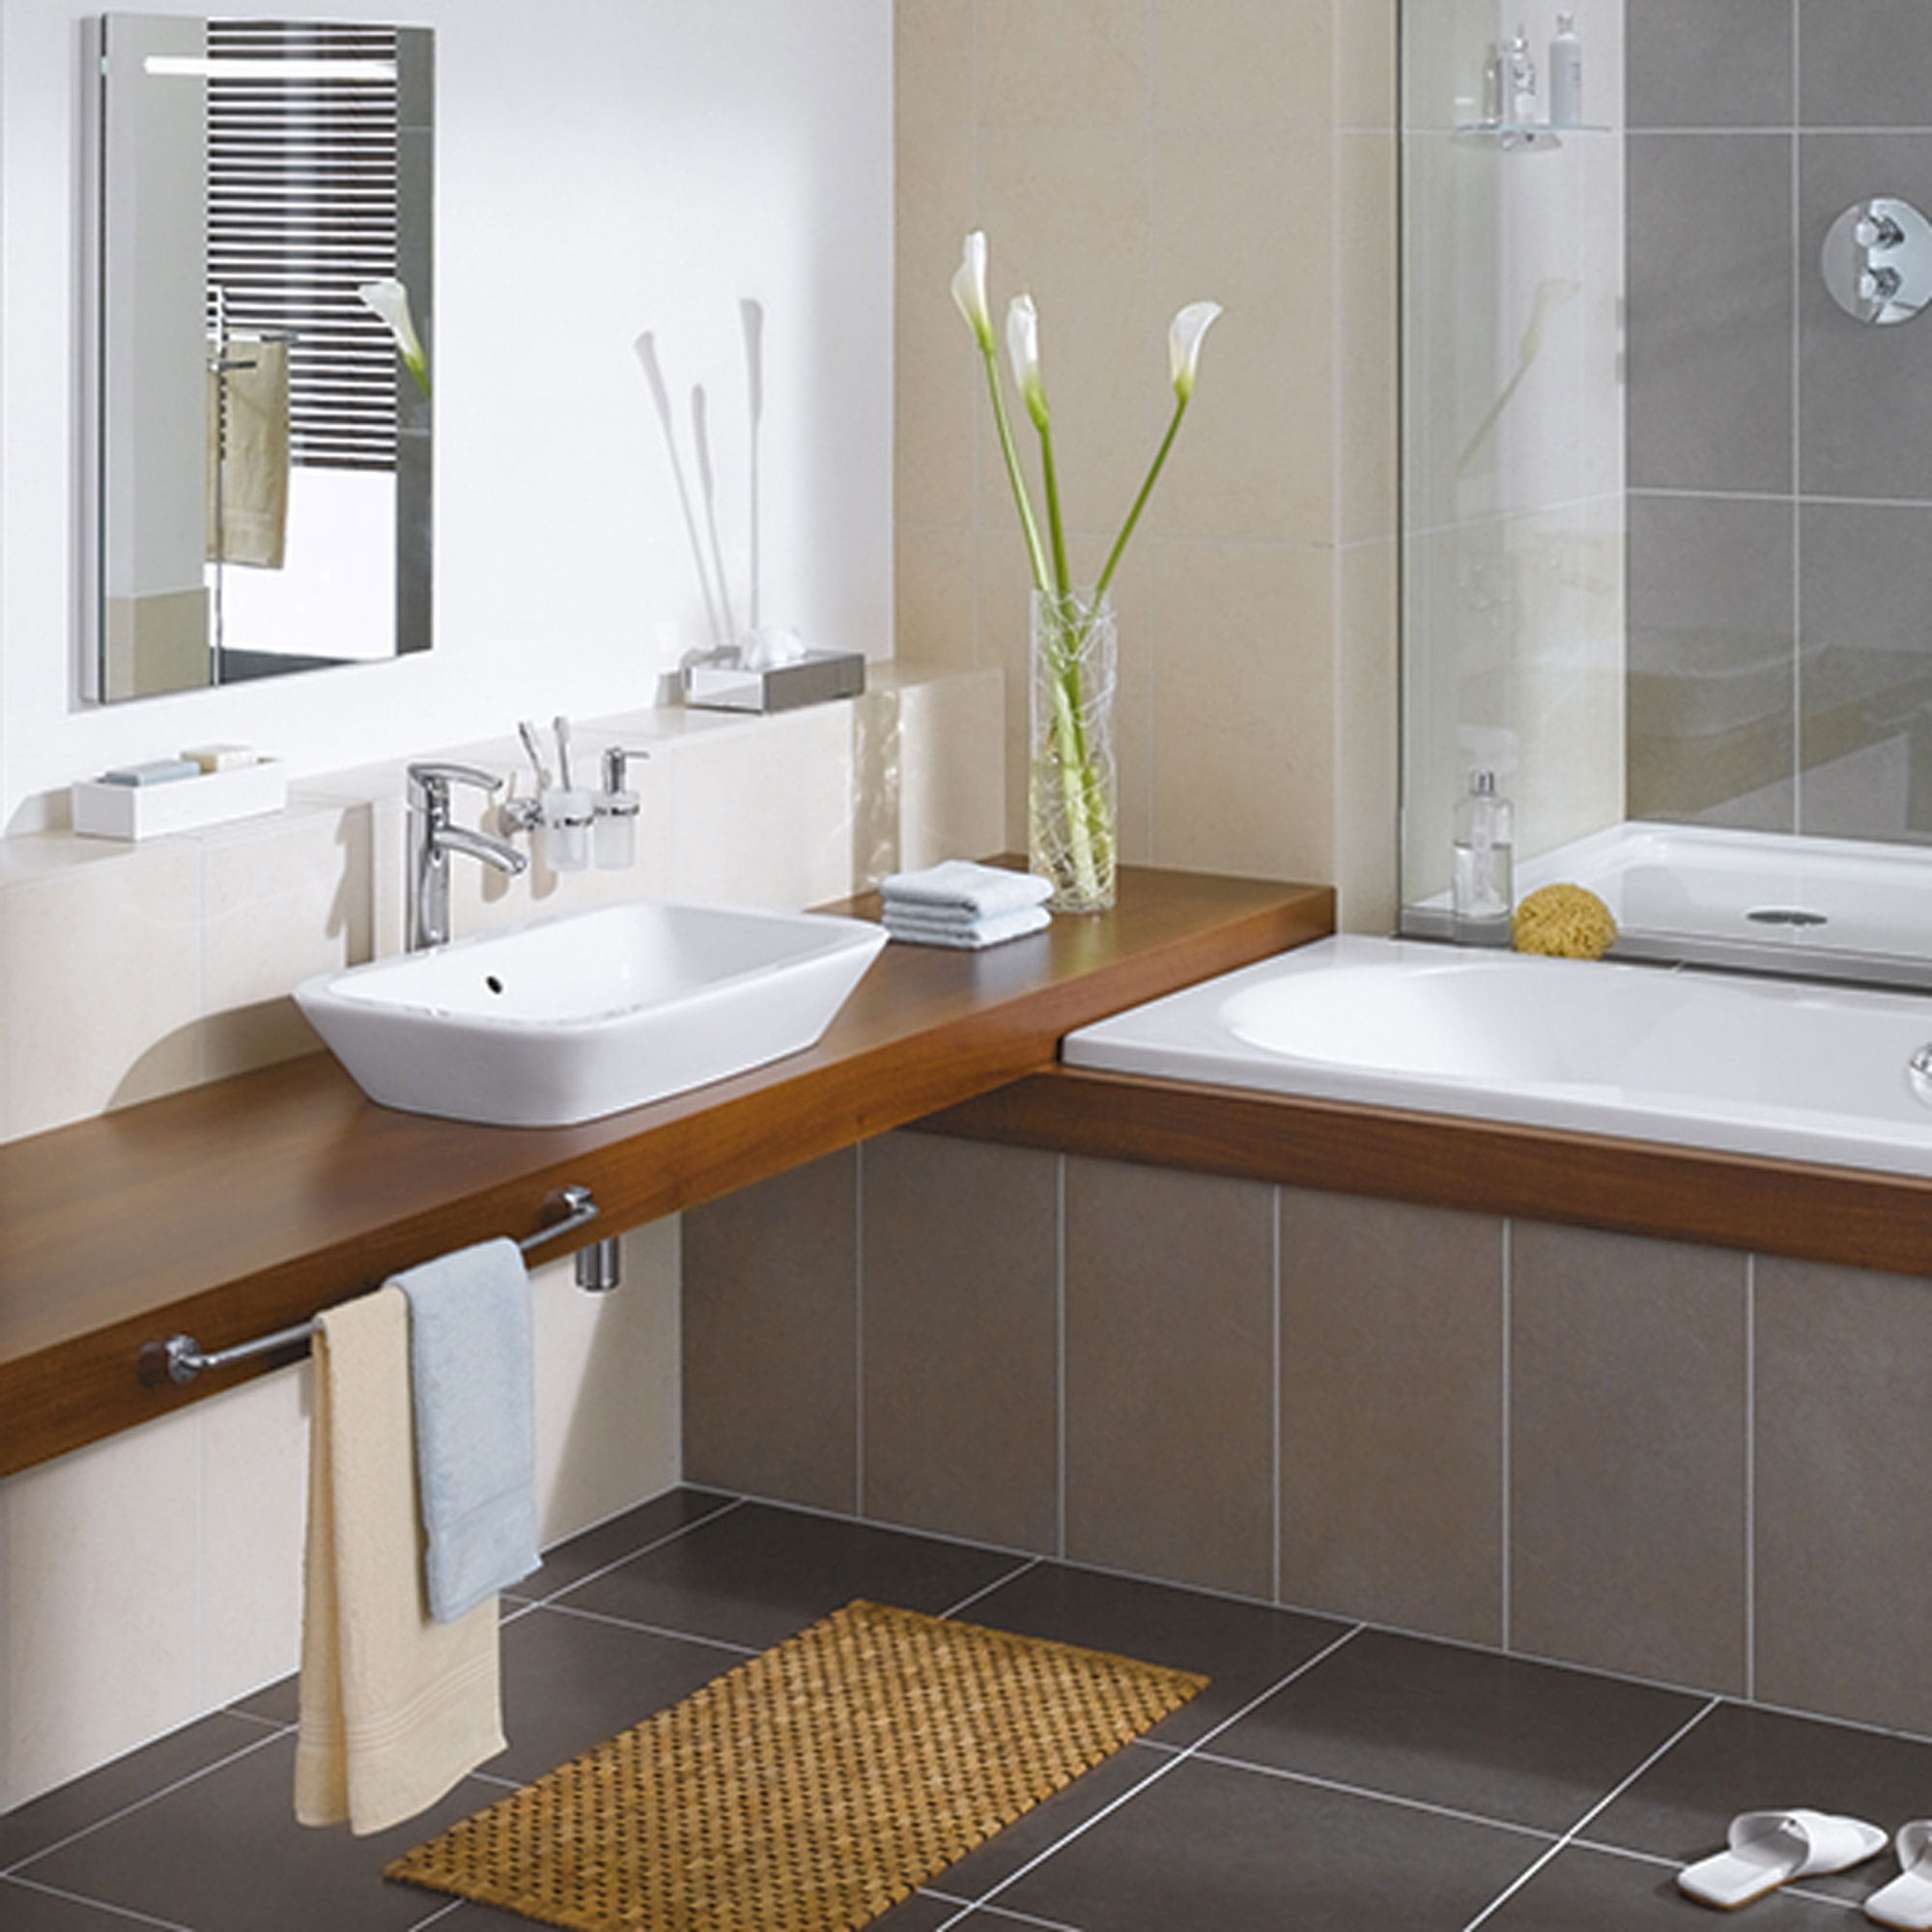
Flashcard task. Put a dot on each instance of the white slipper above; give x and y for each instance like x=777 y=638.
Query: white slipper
x=1769 y=1849
x=1907 y=1901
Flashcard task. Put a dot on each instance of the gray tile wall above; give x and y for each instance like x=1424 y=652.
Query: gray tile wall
x=1675 y=1463
x=1780 y=453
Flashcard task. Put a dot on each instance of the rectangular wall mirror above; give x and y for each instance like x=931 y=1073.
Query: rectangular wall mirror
x=261 y=490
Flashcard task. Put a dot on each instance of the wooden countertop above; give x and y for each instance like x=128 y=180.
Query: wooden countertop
x=237 y=1208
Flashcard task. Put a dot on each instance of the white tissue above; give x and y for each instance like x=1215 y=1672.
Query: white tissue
x=769 y=646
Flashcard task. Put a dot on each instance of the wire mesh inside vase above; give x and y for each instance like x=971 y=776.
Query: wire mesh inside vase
x=1072 y=791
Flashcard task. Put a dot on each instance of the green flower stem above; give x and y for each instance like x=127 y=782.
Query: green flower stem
x=1063 y=578
x=1036 y=552
x=1106 y=576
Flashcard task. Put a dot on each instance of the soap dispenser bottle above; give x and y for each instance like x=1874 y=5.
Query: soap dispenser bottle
x=614 y=837
x=1566 y=74
x=1482 y=885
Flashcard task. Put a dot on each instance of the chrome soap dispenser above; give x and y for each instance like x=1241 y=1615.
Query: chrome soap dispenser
x=1482 y=885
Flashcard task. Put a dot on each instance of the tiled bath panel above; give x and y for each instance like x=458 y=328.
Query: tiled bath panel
x=1678 y=1464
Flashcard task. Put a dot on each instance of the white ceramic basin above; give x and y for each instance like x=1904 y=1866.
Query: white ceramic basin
x=589 y=1014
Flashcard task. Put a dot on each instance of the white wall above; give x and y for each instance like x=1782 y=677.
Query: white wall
x=604 y=166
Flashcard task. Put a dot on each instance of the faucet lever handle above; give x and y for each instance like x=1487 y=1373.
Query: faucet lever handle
x=440 y=773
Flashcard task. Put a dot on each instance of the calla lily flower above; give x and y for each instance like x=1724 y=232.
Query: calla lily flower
x=968 y=289
x=1023 y=356
x=389 y=299
x=1183 y=344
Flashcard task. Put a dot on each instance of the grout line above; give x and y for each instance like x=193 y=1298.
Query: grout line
x=631 y=1555
x=1797 y=434
x=1507 y=1420
x=15 y=1869
x=1370 y=1793
x=441 y=1912
x=1005 y=1914
x=1179 y=1758
x=1276 y=1419
x=985 y=1590
x=1595 y=1812
x=1750 y=1478
x=859 y=1329
x=99 y=1905
x=1059 y=1355
x=650 y=1629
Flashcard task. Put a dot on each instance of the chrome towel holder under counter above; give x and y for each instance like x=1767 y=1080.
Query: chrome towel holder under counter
x=179 y=1359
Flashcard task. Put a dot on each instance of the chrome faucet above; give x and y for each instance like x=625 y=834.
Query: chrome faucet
x=432 y=838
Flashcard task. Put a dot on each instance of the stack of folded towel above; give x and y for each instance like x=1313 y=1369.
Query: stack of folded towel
x=958 y=903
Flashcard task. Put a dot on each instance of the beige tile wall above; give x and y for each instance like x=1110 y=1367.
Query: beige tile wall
x=1674 y=1463
x=155 y=1576
x=1124 y=160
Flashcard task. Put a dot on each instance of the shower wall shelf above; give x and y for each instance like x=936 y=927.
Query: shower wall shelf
x=239 y=1209
x=1521 y=137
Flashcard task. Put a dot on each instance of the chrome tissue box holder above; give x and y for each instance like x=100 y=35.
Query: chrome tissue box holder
x=815 y=679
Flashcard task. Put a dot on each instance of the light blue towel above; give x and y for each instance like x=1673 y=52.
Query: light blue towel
x=475 y=1396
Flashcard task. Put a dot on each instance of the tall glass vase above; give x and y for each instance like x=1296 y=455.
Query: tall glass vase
x=1071 y=791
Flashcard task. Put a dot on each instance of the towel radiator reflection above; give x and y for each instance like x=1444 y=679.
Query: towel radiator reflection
x=180 y=1358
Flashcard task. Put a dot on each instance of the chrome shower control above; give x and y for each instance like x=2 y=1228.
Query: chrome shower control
x=1877 y=260
x=1918 y=1073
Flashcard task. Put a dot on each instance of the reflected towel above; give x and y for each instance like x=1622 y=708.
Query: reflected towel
x=959 y=886
x=475 y=1413
x=395 y=1709
x=248 y=455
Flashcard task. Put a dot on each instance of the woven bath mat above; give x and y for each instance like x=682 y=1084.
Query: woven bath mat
x=807 y=1790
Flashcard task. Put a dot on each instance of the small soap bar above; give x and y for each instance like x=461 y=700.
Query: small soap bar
x=219 y=757
x=157 y=771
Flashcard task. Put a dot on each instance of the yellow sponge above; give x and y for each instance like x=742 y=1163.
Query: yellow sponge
x=1566 y=923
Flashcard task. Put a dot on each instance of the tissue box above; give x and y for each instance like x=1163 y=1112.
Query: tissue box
x=812 y=679
x=182 y=805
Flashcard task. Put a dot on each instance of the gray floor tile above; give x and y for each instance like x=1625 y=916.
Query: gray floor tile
x=25 y=1908
x=1243 y=1649
x=1741 y=1759
x=621 y=1537
x=1586 y=1891
x=1052 y=1820
x=225 y=1854
x=1526 y=1744
x=1240 y=1851
x=757 y=1575
x=87 y=1801
x=571 y=1681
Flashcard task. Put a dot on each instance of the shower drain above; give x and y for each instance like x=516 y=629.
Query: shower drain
x=1785 y=916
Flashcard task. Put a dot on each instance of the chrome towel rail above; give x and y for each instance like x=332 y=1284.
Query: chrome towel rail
x=179 y=1359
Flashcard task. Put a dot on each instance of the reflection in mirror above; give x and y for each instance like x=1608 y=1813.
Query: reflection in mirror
x=263 y=446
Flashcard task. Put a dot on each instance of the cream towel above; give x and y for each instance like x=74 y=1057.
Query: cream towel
x=395 y=1709
x=248 y=467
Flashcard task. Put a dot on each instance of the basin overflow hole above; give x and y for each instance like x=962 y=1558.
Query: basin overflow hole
x=1785 y=916
x=494 y=985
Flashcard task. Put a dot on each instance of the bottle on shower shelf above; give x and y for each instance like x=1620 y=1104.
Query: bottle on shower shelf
x=1520 y=80
x=1566 y=74
x=1482 y=894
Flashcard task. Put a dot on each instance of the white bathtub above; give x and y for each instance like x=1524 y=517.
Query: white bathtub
x=1697 y=1058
